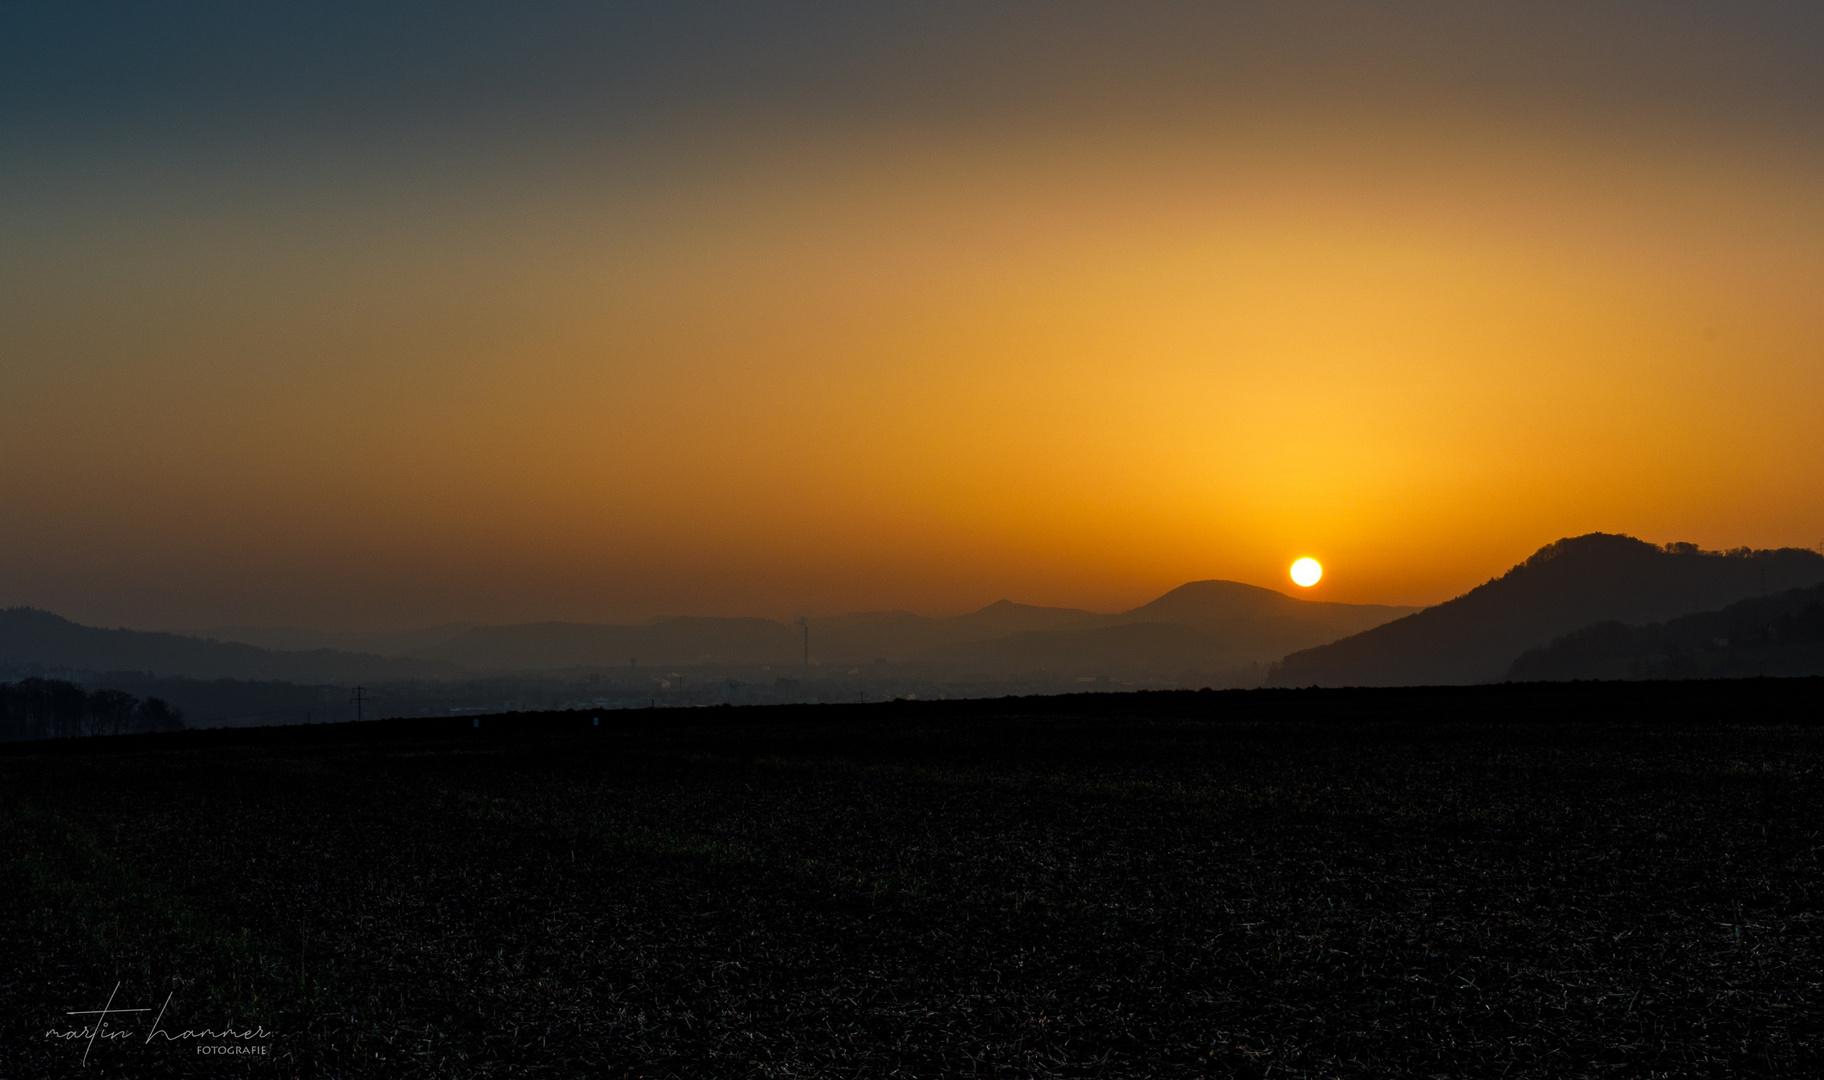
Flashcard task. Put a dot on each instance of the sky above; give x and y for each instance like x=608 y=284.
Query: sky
x=384 y=314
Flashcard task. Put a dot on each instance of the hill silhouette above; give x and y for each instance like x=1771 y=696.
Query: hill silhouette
x=1562 y=587
x=1255 y=623
x=1199 y=627
x=1778 y=635
x=1203 y=625
x=394 y=643
x=683 y=640
x=1004 y=617
x=33 y=639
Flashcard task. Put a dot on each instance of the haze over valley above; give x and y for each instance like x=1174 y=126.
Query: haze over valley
x=1206 y=633
x=1595 y=606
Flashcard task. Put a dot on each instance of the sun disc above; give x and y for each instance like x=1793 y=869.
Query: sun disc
x=1306 y=572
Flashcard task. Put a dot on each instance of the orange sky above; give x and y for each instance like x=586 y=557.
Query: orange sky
x=765 y=370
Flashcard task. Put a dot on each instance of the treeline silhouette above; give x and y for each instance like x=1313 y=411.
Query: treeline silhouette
x=53 y=709
x=1780 y=635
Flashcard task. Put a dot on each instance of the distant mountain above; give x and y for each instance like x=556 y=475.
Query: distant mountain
x=902 y=636
x=1562 y=587
x=1778 y=635
x=1259 y=624
x=661 y=642
x=1200 y=627
x=1004 y=617
x=1125 y=648
x=394 y=643
x=1205 y=625
x=32 y=638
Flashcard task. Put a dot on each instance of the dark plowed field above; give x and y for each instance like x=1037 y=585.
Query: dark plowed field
x=1502 y=881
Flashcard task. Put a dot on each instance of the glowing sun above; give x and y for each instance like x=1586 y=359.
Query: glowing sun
x=1307 y=572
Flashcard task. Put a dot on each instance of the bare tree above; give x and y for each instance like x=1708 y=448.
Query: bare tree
x=155 y=715
x=110 y=711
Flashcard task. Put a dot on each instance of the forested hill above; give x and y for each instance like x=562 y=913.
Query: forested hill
x=30 y=639
x=1777 y=635
x=1563 y=587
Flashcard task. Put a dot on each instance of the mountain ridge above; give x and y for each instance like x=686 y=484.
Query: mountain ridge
x=1218 y=626
x=1238 y=623
x=1565 y=585
x=33 y=637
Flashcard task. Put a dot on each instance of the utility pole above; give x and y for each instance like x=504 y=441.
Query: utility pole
x=805 y=623
x=356 y=701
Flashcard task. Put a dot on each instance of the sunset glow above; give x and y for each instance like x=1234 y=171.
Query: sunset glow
x=1306 y=573
x=774 y=350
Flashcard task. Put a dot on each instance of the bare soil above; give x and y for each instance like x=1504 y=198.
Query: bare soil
x=1520 y=881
